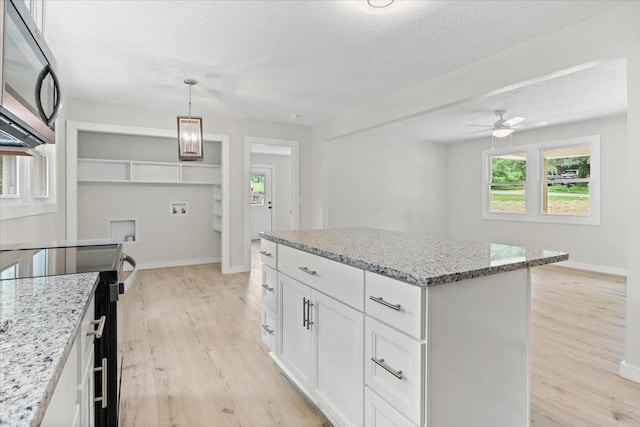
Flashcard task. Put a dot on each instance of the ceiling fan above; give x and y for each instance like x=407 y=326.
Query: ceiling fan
x=502 y=127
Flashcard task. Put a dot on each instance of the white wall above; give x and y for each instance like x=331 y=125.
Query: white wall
x=282 y=181
x=385 y=183
x=237 y=130
x=162 y=239
x=603 y=245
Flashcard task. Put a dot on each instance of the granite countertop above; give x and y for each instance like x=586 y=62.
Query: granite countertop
x=56 y=244
x=39 y=319
x=414 y=258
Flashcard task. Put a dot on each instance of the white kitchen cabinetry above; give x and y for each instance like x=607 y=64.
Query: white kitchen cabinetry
x=72 y=402
x=322 y=349
x=321 y=339
x=296 y=336
x=378 y=413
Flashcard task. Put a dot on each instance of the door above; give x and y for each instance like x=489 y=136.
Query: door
x=296 y=333
x=339 y=344
x=261 y=201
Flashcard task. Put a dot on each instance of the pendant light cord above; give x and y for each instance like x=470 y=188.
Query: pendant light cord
x=190 y=100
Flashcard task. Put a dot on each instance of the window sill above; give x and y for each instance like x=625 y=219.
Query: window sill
x=19 y=211
x=546 y=218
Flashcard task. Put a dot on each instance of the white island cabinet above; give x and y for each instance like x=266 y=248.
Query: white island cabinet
x=367 y=335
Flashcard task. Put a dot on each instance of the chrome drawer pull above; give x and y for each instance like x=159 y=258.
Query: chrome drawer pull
x=380 y=362
x=379 y=300
x=267 y=330
x=306 y=270
x=264 y=285
x=265 y=253
x=98 y=332
x=103 y=369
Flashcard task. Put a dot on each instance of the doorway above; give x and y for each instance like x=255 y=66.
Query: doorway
x=283 y=158
x=262 y=209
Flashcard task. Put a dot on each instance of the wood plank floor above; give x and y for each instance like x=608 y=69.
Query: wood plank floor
x=193 y=354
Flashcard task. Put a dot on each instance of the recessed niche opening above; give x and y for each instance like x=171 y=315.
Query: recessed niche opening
x=122 y=230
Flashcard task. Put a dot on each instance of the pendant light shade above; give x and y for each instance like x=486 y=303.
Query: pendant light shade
x=189 y=133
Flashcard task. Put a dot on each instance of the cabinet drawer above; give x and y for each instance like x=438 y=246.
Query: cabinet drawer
x=395 y=303
x=269 y=253
x=378 y=413
x=340 y=281
x=401 y=383
x=270 y=328
x=270 y=288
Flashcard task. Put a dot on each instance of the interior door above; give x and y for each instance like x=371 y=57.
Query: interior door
x=261 y=201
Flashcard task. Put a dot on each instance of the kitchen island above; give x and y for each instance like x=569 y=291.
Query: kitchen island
x=40 y=319
x=389 y=328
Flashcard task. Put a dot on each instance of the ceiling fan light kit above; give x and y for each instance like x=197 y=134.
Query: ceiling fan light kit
x=502 y=131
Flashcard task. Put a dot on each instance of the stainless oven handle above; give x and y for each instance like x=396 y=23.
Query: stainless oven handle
x=132 y=276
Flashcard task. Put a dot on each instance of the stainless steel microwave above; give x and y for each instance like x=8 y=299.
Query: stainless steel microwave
x=30 y=96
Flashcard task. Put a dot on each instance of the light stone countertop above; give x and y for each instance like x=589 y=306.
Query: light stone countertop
x=414 y=258
x=39 y=319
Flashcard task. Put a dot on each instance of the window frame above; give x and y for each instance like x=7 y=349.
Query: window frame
x=27 y=202
x=535 y=180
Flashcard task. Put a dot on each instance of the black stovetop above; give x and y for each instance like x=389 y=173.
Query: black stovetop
x=25 y=263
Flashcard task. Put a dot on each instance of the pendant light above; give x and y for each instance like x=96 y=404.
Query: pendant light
x=190 y=133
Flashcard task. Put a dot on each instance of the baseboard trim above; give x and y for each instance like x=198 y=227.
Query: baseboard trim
x=593 y=267
x=629 y=372
x=237 y=269
x=173 y=263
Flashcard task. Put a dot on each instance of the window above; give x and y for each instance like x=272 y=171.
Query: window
x=567 y=181
x=508 y=179
x=257 y=190
x=556 y=181
x=40 y=177
x=8 y=176
x=27 y=185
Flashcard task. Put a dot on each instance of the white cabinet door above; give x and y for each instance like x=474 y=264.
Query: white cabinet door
x=338 y=350
x=87 y=404
x=296 y=336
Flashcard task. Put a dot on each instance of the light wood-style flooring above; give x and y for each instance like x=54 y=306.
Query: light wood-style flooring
x=193 y=354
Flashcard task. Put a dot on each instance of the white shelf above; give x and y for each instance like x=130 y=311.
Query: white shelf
x=129 y=171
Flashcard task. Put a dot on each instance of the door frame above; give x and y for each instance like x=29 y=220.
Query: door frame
x=295 y=187
x=272 y=169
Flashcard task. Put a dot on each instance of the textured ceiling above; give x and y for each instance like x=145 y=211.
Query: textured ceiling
x=273 y=60
x=586 y=94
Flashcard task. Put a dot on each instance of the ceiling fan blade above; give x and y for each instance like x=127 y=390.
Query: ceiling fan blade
x=479 y=131
x=532 y=125
x=513 y=121
x=483 y=126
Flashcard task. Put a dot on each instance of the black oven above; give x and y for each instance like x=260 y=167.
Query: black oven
x=30 y=95
x=108 y=261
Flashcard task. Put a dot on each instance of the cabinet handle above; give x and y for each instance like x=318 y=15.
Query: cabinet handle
x=379 y=300
x=265 y=253
x=264 y=285
x=380 y=362
x=309 y=322
x=304 y=312
x=267 y=330
x=306 y=270
x=103 y=369
x=98 y=332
